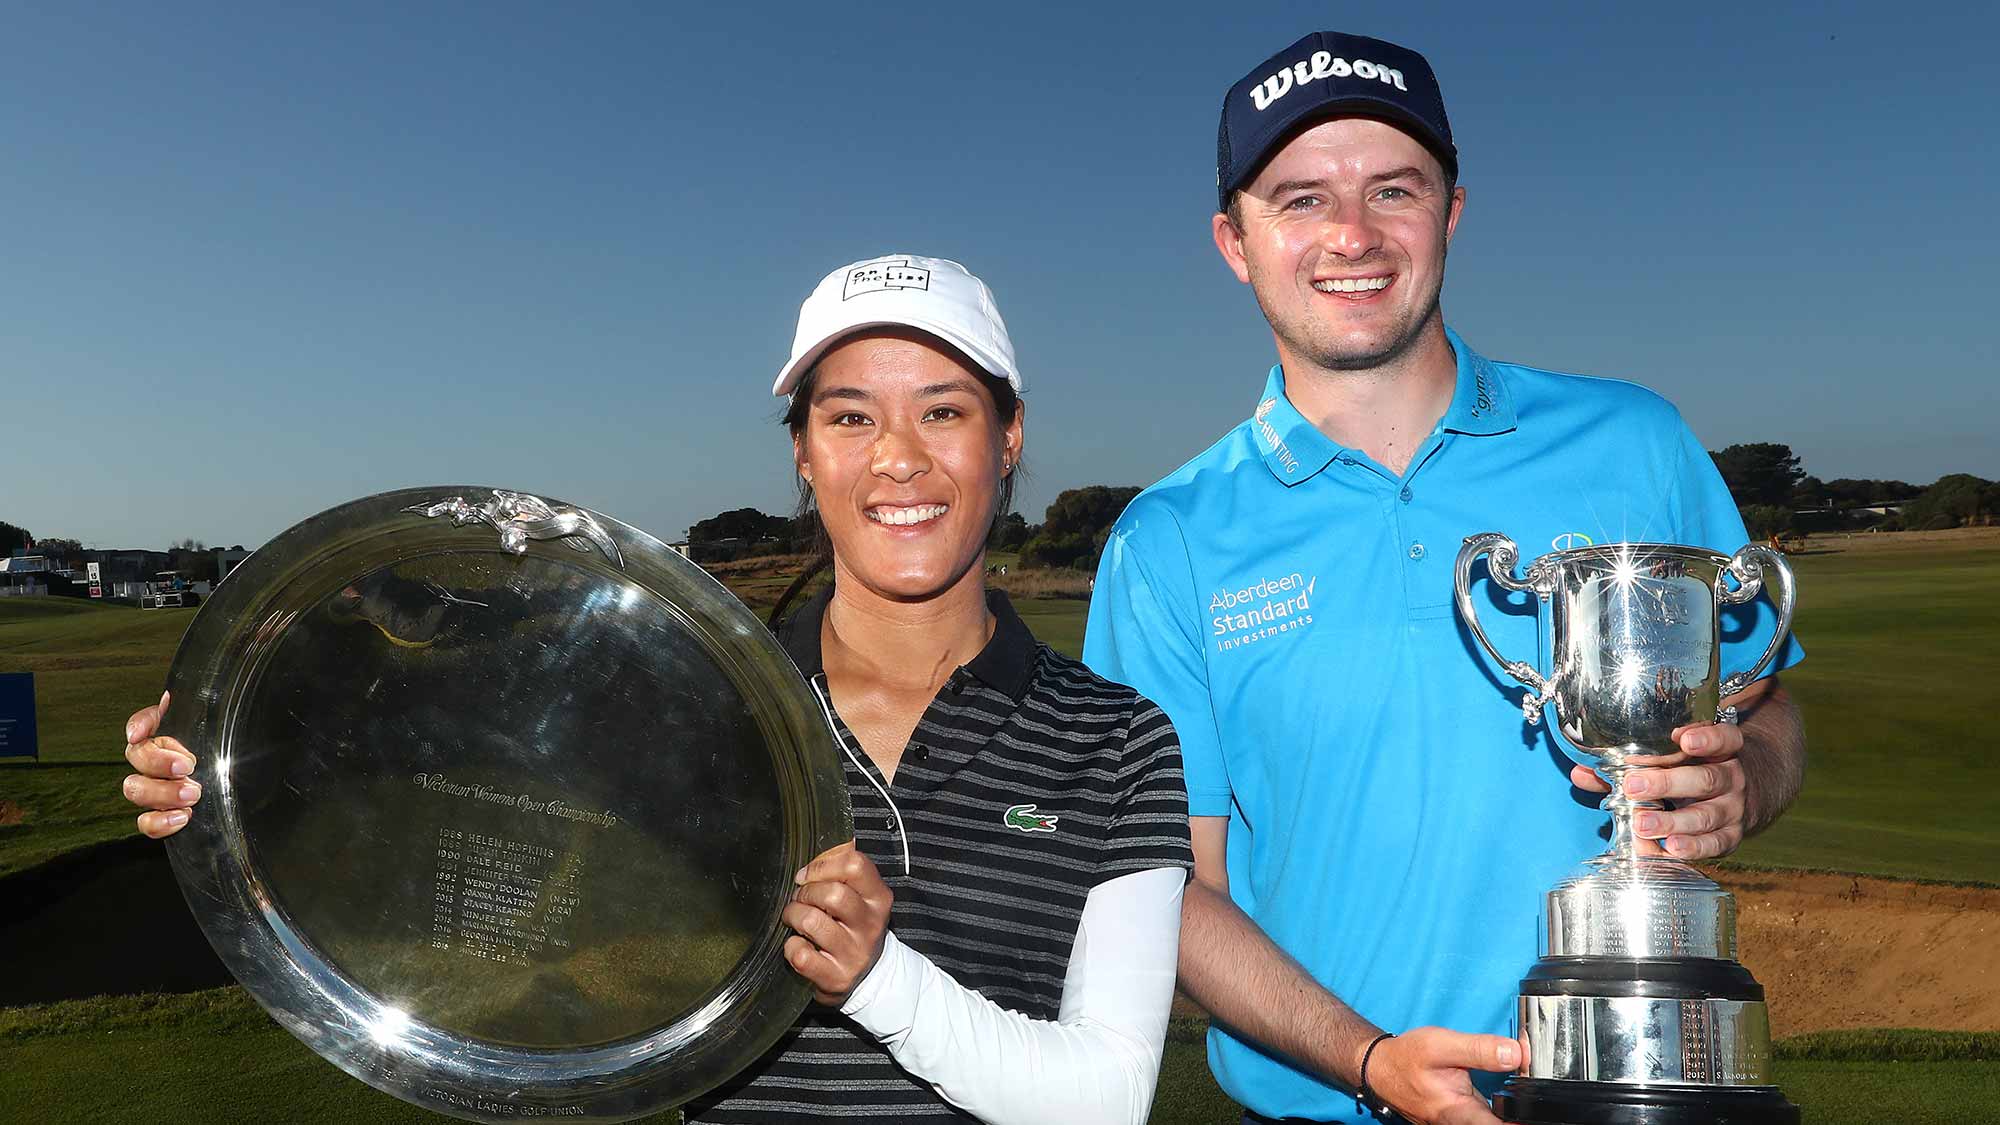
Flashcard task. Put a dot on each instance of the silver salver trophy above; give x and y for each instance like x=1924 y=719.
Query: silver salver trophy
x=502 y=799
x=1638 y=1011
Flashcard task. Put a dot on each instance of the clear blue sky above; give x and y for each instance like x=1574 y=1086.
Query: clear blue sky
x=254 y=262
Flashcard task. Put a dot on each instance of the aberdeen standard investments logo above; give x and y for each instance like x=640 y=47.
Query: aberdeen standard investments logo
x=1263 y=609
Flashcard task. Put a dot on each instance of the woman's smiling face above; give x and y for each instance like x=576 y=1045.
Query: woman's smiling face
x=904 y=451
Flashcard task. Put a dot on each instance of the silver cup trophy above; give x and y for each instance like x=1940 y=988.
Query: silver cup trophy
x=1638 y=1010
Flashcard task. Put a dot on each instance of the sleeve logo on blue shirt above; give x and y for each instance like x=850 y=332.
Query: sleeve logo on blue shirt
x=1265 y=608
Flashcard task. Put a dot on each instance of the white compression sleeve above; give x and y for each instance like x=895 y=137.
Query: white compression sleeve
x=1096 y=1063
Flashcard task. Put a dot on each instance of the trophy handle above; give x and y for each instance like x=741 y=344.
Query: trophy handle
x=1751 y=565
x=519 y=517
x=1501 y=567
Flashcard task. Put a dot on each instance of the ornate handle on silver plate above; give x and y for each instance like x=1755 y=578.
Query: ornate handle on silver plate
x=519 y=517
x=1501 y=566
x=1751 y=566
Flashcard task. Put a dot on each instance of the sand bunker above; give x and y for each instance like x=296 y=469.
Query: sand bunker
x=1845 y=951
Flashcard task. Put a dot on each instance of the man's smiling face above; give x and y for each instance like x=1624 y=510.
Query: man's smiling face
x=1342 y=236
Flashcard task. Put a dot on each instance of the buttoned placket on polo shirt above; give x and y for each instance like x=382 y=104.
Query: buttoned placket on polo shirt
x=902 y=791
x=859 y=759
x=1003 y=665
x=1396 y=494
x=1297 y=451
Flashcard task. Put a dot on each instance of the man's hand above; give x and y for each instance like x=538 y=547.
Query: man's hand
x=1423 y=1074
x=1232 y=968
x=1707 y=789
x=1720 y=796
x=840 y=913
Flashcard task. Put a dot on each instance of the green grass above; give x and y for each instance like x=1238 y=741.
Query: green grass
x=214 y=1057
x=1056 y=621
x=1902 y=652
x=63 y=809
x=94 y=664
x=1902 y=1092
x=207 y=1056
x=1891 y=1044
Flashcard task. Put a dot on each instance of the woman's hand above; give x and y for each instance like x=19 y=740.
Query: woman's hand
x=164 y=783
x=839 y=913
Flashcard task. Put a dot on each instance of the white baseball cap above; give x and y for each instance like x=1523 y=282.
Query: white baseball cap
x=932 y=294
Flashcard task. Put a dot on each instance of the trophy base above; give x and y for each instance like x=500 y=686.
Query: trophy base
x=1547 y=1101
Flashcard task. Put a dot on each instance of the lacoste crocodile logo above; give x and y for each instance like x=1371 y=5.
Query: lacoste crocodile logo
x=1024 y=818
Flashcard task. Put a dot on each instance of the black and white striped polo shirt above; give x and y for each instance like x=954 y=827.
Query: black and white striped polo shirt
x=1028 y=781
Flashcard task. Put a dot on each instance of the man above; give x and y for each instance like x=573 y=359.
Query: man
x=1373 y=823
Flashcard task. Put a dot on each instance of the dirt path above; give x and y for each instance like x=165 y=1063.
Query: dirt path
x=1840 y=951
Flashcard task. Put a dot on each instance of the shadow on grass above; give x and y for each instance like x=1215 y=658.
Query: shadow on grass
x=106 y=919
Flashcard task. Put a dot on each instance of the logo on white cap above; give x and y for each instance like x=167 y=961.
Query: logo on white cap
x=877 y=276
x=933 y=295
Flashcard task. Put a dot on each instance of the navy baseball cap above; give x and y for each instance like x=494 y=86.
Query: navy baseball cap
x=1327 y=74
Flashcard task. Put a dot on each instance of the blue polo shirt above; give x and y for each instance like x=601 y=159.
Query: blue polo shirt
x=1393 y=822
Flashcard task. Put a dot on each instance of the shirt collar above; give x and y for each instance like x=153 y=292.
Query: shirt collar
x=1006 y=664
x=1295 y=450
x=1480 y=404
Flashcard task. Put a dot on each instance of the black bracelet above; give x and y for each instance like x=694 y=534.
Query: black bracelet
x=1364 y=1098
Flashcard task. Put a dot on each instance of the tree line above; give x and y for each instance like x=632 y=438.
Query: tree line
x=1770 y=485
x=1776 y=496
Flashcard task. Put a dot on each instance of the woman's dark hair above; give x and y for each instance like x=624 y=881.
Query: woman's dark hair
x=1006 y=404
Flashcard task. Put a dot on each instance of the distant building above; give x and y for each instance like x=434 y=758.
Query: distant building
x=24 y=574
x=718 y=550
x=128 y=566
x=226 y=559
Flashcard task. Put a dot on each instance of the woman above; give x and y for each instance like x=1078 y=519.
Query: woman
x=999 y=939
